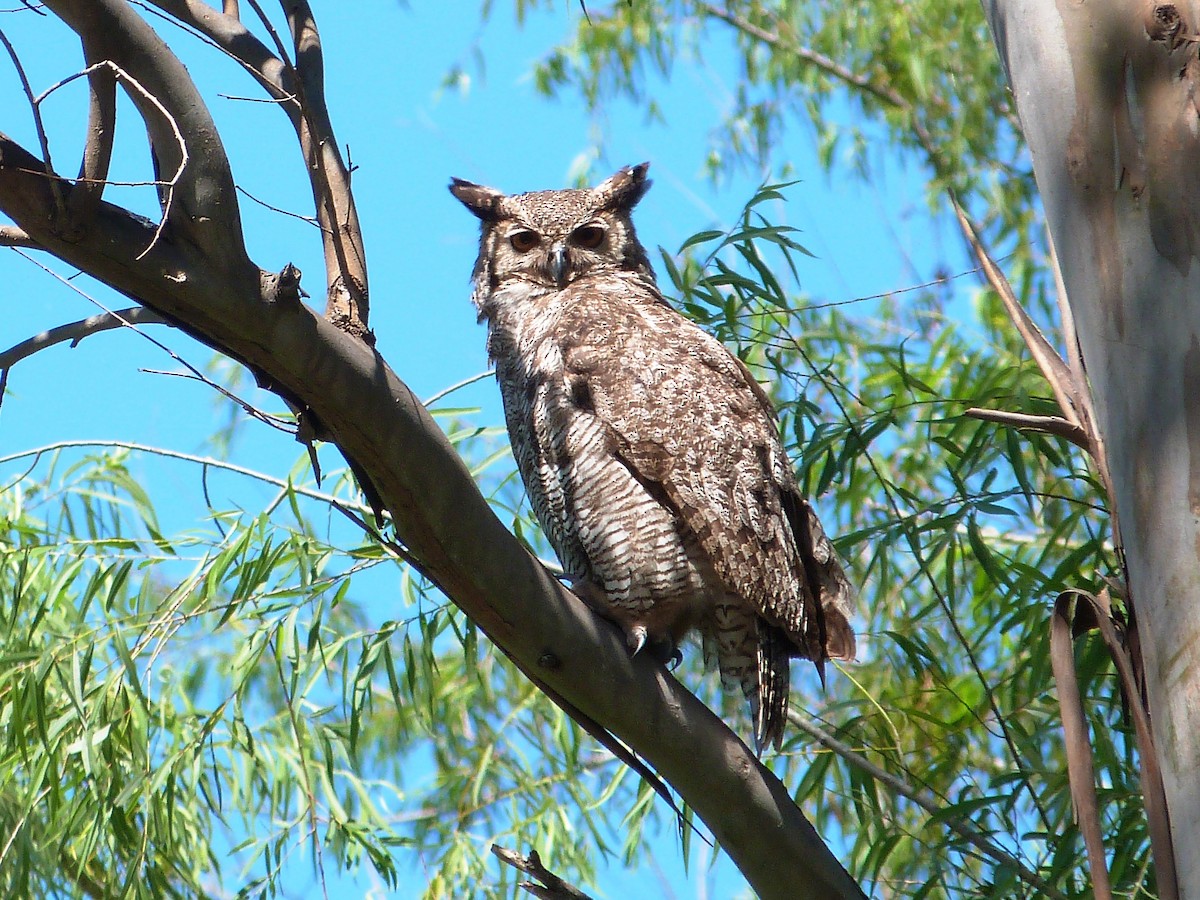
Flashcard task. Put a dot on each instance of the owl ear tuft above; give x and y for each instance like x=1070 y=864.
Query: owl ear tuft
x=484 y=202
x=624 y=189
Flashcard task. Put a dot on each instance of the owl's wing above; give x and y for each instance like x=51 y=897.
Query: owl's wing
x=695 y=428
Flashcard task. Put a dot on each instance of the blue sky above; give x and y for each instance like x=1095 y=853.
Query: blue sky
x=407 y=135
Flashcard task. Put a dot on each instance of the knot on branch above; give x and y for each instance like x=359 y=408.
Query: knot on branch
x=548 y=885
x=1165 y=25
x=283 y=286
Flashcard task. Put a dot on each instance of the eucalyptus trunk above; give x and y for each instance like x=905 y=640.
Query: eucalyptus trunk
x=1107 y=96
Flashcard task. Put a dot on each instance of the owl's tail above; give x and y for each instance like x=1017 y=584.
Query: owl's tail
x=769 y=700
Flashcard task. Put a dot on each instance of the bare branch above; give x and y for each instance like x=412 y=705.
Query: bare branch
x=97 y=150
x=345 y=254
x=77 y=331
x=204 y=206
x=551 y=888
x=1055 y=425
x=299 y=90
x=39 y=125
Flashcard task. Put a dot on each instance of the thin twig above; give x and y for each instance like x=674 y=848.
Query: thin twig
x=479 y=376
x=35 y=108
x=205 y=461
x=247 y=407
x=283 y=212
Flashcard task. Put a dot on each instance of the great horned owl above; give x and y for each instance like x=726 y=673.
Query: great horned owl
x=650 y=453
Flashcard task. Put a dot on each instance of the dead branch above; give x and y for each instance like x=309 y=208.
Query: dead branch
x=551 y=888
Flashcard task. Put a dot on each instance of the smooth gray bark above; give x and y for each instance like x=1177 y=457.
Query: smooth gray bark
x=1107 y=93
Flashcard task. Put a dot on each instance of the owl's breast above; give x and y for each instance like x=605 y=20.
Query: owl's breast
x=606 y=524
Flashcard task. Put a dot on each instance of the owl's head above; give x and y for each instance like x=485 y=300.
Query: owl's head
x=552 y=238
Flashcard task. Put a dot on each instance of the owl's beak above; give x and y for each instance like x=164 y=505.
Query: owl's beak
x=558 y=264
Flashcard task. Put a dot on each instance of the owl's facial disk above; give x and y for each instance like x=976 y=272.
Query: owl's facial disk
x=559 y=259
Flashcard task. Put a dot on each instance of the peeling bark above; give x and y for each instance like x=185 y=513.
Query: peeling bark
x=1107 y=95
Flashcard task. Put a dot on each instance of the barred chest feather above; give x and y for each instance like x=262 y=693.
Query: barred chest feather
x=603 y=523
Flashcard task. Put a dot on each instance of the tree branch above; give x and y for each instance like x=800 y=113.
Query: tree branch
x=97 y=150
x=203 y=205
x=347 y=305
x=299 y=90
x=1055 y=425
x=77 y=331
x=551 y=888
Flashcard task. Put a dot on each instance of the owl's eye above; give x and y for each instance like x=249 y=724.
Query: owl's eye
x=588 y=236
x=523 y=241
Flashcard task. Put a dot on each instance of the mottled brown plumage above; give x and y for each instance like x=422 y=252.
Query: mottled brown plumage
x=649 y=452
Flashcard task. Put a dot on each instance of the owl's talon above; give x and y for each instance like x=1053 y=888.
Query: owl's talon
x=635 y=639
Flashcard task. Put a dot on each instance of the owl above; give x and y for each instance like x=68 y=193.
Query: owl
x=650 y=454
